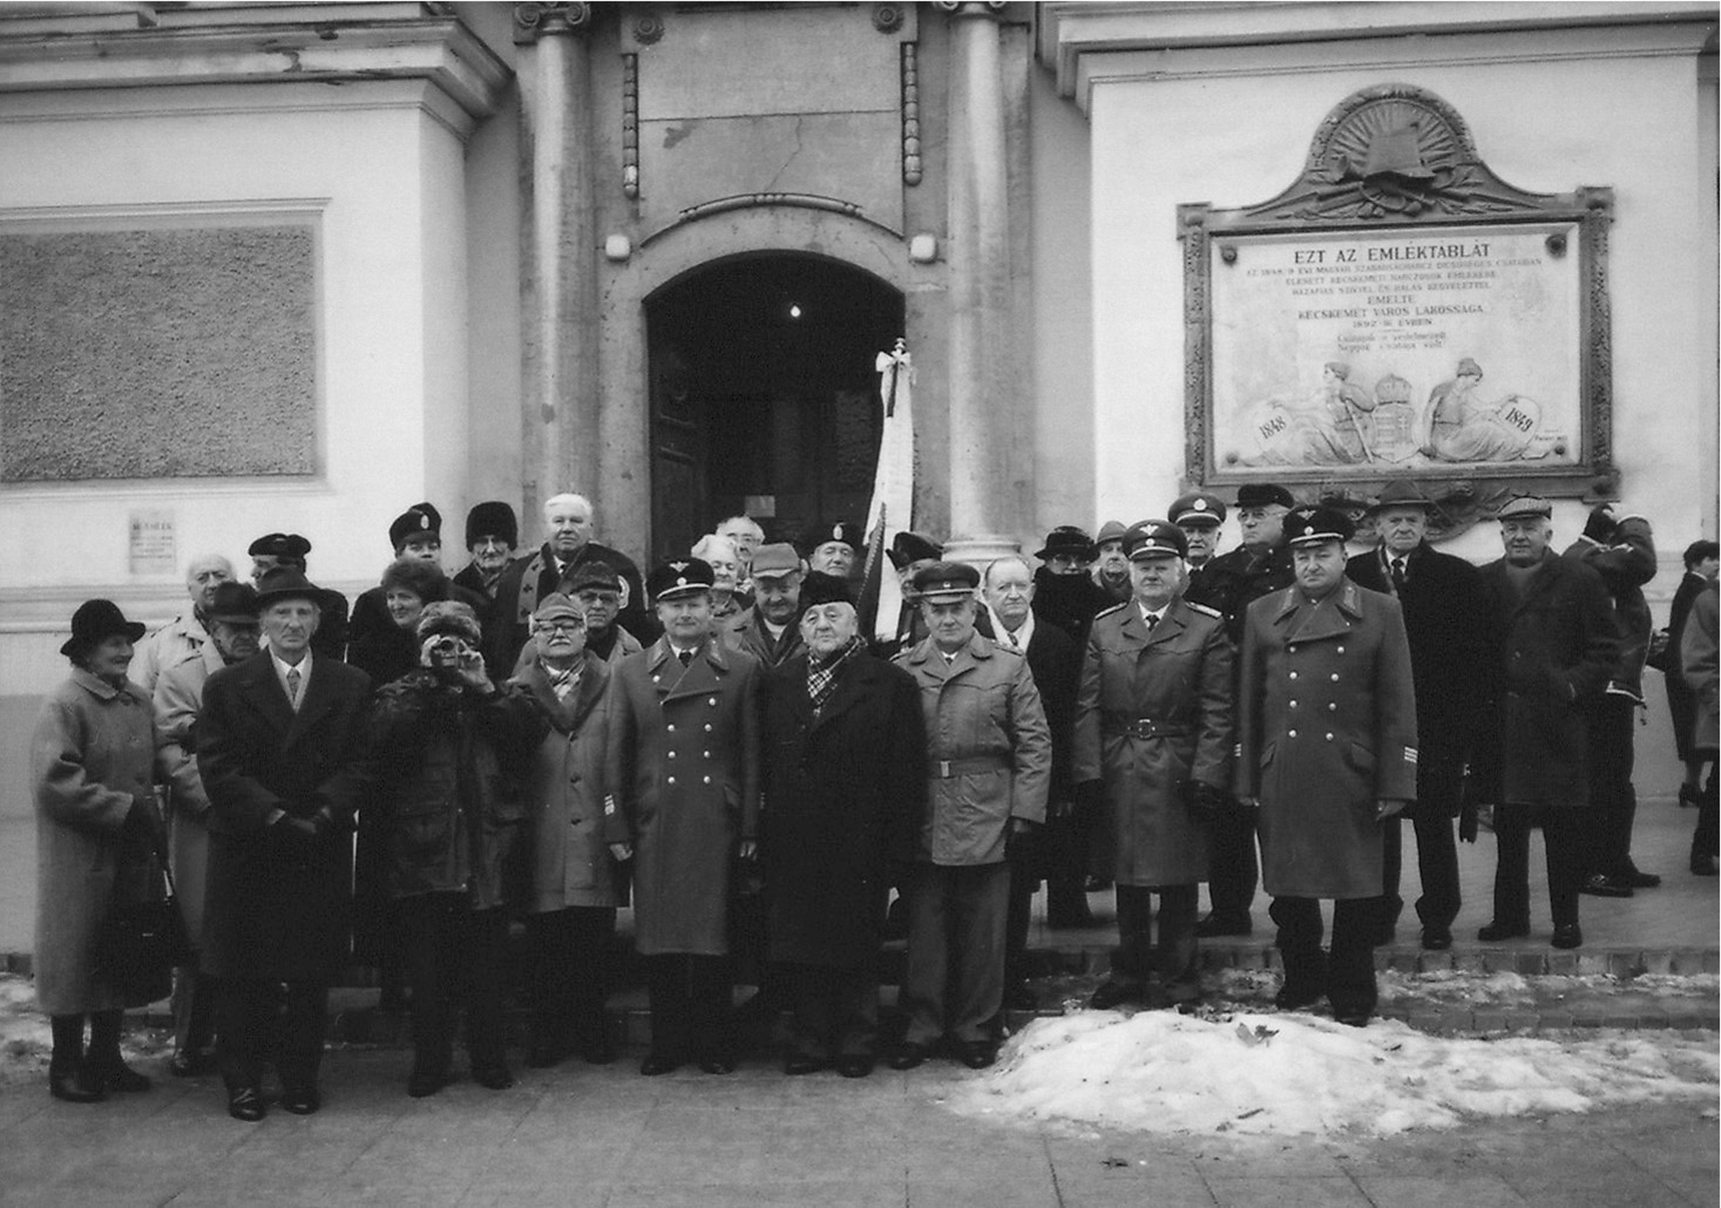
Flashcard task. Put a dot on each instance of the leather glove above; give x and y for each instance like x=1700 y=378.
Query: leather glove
x=1206 y=803
x=1601 y=525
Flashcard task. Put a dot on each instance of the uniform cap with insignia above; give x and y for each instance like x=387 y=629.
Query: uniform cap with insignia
x=1155 y=539
x=946 y=581
x=1263 y=494
x=1067 y=540
x=1527 y=505
x=777 y=560
x=287 y=546
x=1401 y=493
x=682 y=577
x=1311 y=526
x=1198 y=507
x=1111 y=530
x=420 y=520
x=847 y=533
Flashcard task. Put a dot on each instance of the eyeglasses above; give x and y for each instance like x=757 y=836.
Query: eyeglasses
x=562 y=627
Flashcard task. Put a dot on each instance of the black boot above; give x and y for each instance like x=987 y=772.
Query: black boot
x=1305 y=980
x=69 y=1076
x=104 y=1055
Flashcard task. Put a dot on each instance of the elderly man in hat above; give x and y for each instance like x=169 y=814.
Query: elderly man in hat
x=684 y=770
x=290 y=550
x=1200 y=516
x=1064 y=593
x=1111 y=568
x=187 y=635
x=846 y=782
x=768 y=631
x=232 y=624
x=1154 y=728
x=989 y=759
x=570 y=522
x=1229 y=583
x=1327 y=750
x=449 y=745
x=492 y=532
x=281 y=749
x=1555 y=649
x=1446 y=620
x=835 y=549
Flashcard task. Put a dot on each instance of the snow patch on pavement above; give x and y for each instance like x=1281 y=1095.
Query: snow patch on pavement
x=1293 y=1074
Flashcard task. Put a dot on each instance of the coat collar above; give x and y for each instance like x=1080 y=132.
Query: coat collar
x=1333 y=616
x=567 y=715
x=104 y=691
x=702 y=674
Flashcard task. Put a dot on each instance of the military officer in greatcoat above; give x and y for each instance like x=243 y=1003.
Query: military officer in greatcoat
x=1229 y=583
x=1200 y=516
x=989 y=757
x=1327 y=750
x=1154 y=731
x=684 y=766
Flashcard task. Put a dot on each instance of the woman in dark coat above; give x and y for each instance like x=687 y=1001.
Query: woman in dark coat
x=448 y=746
x=845 y=787
x=92 y=763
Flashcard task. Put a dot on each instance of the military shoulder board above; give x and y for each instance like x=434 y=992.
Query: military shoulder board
x=1205 y=610
x=1114 y=608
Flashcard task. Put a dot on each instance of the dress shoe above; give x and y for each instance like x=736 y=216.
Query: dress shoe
x=1291 y=996
x=1603 y=886
x=656 y=1063
x=802 y=1063
x=718 y=1065
x=1494 y=932
x=1690 y=796
x=190 y=1065
x=1436 y=939
x=1638 y=879
x=855 y=1065
x=493 y=1077
x=76 y=1086
x=245 y=1103
x=1568 y=935
x=426 y=1082
x=977 y=1054
x=1019 y=998
x=907 y=1055
x=1353 y=1017
x=116 y=1075
x=1215 y=925
x=1702 y=866
x=300 y=1100
x=1112 y=994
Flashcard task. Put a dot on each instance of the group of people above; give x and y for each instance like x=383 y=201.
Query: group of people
x=720 y=744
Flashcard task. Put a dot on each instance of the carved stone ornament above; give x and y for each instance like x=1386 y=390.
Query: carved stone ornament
x=887 y=18
x=912 y=165
x=533 y=21
x=648 y=29
x=1375 y=296
x=970 y=8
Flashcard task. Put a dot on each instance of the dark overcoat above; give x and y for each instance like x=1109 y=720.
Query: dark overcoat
x=1556 y=649
x=1228 y=583
x=450 y=770
x=1625 y=564
x=746 y=631
x=684 y=769
x=91 y=756
x=528 y=580
x=1326 y=729
x=1446 y=620
x=566 y=792
x=844 y=795
x=272 y=911
x=1154 y=712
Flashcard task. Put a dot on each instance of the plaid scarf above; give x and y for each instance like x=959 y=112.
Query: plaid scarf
x=563 y=683
x=822 y=673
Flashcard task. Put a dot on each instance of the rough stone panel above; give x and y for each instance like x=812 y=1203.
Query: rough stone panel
x=184 y=353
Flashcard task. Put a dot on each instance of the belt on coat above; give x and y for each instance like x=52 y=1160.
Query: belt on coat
x=1114 y=724
x=945 y=769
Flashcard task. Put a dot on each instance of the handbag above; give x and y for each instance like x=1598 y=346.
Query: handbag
x=139 y=943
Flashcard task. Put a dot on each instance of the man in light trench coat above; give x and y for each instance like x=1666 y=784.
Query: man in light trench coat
x=1327 y=749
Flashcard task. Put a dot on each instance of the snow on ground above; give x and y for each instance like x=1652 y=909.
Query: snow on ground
x=26 y=1041
x=1299 y=1074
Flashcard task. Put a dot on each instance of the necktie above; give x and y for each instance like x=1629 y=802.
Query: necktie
x=1152 y=620
x=1398 y=574
x=686 y=657
x=293 y=687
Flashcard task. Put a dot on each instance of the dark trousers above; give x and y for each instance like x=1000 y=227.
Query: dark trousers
x=1018 y=914
x=1436 y=861
x=690 y=999
x=454 y=953
x=1563 y=831
x=569 y=976
x=68 y=1034
x=954 y=979
x=1347 y=974
x=1068 y=849
x=834 y=1011
x=1174 y=956
x=1233 y=867
x=1613 y=801
x=193 y=1009
x=246 y=1016
x=1706 y=839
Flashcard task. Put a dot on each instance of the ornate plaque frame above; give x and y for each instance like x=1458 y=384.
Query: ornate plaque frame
x=1396 y=160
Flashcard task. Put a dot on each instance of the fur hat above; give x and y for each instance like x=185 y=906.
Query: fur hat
x=492 y=518
x=450 y=617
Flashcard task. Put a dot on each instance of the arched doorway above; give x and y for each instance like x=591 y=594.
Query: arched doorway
x=764 y=395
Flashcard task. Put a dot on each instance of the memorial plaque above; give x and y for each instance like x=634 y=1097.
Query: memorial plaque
x=152 y=542
x=1400 y=310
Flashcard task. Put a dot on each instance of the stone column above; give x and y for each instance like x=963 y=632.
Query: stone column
x=558 y=279
x=982 y=323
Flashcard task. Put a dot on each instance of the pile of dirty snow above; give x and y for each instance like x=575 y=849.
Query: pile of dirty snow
x=1159 y=1071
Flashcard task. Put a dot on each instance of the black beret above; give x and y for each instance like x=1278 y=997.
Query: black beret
x=908 y=548
x=1262 y=494
x=819 y=588
x=289 y=546
x=682 y=577
x=492 y=518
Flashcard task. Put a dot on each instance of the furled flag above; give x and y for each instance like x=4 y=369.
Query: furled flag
x=892 y=506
